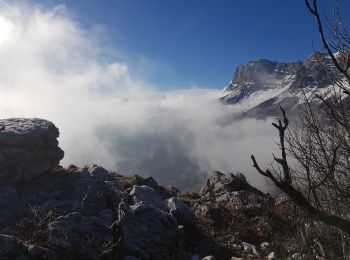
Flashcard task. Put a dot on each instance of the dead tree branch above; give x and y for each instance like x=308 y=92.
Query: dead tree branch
x=313 y=9
x=296 y=195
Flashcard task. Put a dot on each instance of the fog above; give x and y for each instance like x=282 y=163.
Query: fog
x=54 y=68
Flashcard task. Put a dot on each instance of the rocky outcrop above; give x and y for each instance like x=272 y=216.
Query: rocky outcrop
x=148 y=232
x=220 y=184
x=261 y=72
x=146 y=195
x=91 y=213
x=10 y=247
x=261 y=86
x=28 y=148
x=49 y=212
x=77 y=233
x=183 y=213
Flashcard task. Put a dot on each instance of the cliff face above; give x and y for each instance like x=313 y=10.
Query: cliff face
x=91 y=213
x=262 y=85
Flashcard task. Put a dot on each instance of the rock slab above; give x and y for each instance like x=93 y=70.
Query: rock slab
x=28 y=148
x=148 y=232
x=183 y=213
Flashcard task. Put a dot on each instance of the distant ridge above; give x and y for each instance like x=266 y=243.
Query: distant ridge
x=261 y=86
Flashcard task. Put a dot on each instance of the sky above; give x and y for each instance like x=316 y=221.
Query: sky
x=184 y=44
x=133 y=86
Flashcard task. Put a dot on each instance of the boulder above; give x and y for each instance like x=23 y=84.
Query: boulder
x=83 y=235
x=38 y=252
x=10 y=247
x=148 y=232
x=233 y=192
x=272 y=256
x=98 y=172
x=250 y=248
x=220 y=184
x=183 y=213
x=209 y=257
x=264 y=246
x=146 y=195
x=28 y=148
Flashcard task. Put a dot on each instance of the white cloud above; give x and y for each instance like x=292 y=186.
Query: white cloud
x=53 y=68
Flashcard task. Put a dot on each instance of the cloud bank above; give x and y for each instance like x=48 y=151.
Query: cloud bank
x=54 y=68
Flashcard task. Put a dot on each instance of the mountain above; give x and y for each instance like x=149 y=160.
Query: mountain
x=261 y=86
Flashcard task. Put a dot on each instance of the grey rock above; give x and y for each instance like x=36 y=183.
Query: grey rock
x=28 y=148
x=212 y=212
x=10 y=247
x=148 y=233
x=237 y=247
x=37 y=252
x=210 y=257
x=128 y=257
x=98 y=172
x=60 y=192
x=183 y=213
x=106 y=217
x=146 y=195
x=81 y=234
x=11 y=206
x=264 y=246
x=220 y=184
x=299 y=256
x=247 y=247
x=78 y=191
x=272 y=256
x=231 y=193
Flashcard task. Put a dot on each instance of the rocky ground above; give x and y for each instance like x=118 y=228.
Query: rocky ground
x=51 y=212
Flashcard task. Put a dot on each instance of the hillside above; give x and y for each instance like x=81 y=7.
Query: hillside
x=51 y=212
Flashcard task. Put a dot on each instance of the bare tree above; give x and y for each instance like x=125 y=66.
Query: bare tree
x=319 y=144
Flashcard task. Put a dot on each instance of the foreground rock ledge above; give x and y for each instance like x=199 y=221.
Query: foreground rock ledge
x=28 y=148
x=91 y=213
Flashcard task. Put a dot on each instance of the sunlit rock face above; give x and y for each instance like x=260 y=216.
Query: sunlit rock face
x=261 y=86
x=28 y=148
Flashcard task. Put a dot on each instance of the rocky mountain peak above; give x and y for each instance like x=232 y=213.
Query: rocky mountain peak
x=261 y=85
x=316 y=58
x=256 y=72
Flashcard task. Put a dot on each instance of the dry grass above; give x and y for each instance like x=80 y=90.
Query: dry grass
x=32 y=229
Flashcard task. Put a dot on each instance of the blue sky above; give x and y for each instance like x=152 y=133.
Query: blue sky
x=93 y=71
x=179 y=44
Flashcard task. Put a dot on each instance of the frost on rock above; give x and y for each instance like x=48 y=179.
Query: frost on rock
x=250 y=248
x=146 y=195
